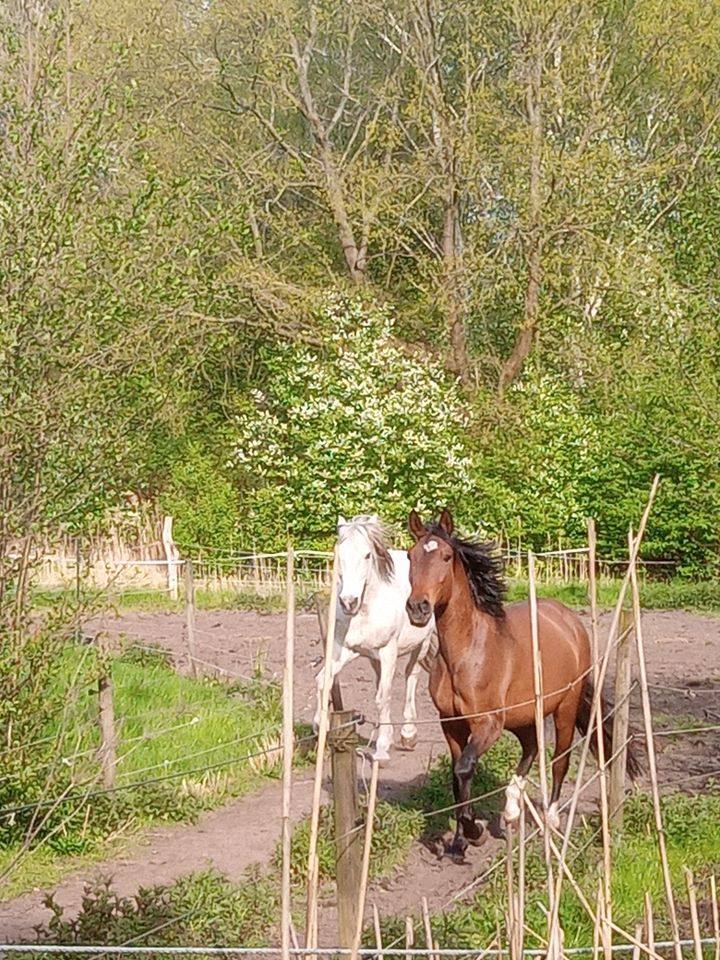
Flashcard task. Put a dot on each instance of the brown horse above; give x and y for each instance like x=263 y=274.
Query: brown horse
x=482 y=681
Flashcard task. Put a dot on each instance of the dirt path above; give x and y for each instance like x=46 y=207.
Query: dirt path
x=683 y=653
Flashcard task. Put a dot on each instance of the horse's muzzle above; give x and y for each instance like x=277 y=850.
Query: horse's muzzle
x=350 y=605
x=419 y=612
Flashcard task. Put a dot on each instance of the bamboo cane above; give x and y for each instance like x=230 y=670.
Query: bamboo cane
x=715 y=917
x=428 y=928
x=649 y=922
x=694 y=919
x=600 y=740
x=652 y=765
x=311 y=928
x=540 y=733
x=365 y=869
x=596 y=711
x=288 y=740
x=378 y=932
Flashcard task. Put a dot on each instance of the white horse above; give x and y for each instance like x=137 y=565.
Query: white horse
x=371 y=621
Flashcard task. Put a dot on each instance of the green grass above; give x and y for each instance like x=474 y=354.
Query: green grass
x=183 y=746
x=167 y=723
x=394 y=830
x=159 y=601
x=699 y=596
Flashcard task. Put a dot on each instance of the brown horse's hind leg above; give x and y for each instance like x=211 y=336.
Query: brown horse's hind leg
x=528 y=741
x=564 y=731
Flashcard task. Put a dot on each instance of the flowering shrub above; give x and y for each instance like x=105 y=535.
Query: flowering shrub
x=358 y=426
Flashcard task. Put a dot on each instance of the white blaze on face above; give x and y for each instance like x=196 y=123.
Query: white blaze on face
x=430 y=546
x=354 y=564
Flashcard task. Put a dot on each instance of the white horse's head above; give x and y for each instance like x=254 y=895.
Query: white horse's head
x=362 y=554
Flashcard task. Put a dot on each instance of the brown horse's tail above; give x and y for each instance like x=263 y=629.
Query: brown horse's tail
x=582 y=722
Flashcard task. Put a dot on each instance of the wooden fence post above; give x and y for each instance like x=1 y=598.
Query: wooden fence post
x=171 y=556
x=190 y=617
x=343 y=741
x=108 y=756
x=621 y=722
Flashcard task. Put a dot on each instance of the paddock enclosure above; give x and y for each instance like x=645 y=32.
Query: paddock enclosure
x=187 y=629
x=683 y=657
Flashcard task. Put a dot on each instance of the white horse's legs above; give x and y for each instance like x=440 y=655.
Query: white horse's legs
x=408 y=731
x=341 y=657
x=388 y=658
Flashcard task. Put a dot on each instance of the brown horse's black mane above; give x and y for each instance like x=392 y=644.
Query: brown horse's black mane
x=483 y=567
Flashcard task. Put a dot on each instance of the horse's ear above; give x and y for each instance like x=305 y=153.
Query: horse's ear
x=415 y=525
x=341 y=521
x=374 y=519
x=446 y=521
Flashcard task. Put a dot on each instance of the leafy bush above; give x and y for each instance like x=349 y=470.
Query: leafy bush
x=196 y=910
x=358 y=425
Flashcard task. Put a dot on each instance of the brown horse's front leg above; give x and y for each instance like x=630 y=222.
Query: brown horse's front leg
x=483 y=733
x=456 y=733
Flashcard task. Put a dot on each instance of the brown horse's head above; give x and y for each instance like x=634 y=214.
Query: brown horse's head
x=431 y=568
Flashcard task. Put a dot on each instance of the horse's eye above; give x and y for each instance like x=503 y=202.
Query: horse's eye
x=448 y=558
x=367 y=556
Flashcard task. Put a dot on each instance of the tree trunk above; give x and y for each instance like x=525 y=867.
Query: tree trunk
x=452 y=280
x=524 y=341
x=354 y=260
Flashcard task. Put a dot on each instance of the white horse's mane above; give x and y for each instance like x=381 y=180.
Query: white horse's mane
x=376 y=533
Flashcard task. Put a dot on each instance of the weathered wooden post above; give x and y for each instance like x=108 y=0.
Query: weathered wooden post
x=190 y=617
x=108 y=755
x=343 y=740
x=171 y=557
x=621 y=722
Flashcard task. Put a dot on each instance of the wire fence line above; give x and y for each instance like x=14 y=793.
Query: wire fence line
x=430 y=952
x=264 y=571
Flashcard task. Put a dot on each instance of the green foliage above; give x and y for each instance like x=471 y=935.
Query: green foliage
x=204 y=502
x=357 y=423
x=196 y=910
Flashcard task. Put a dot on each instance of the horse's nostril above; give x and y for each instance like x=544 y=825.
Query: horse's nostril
x=350 y=604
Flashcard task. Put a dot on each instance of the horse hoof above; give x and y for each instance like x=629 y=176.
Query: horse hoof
x=408 y=743
x=456 y=854
x=552 y=817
